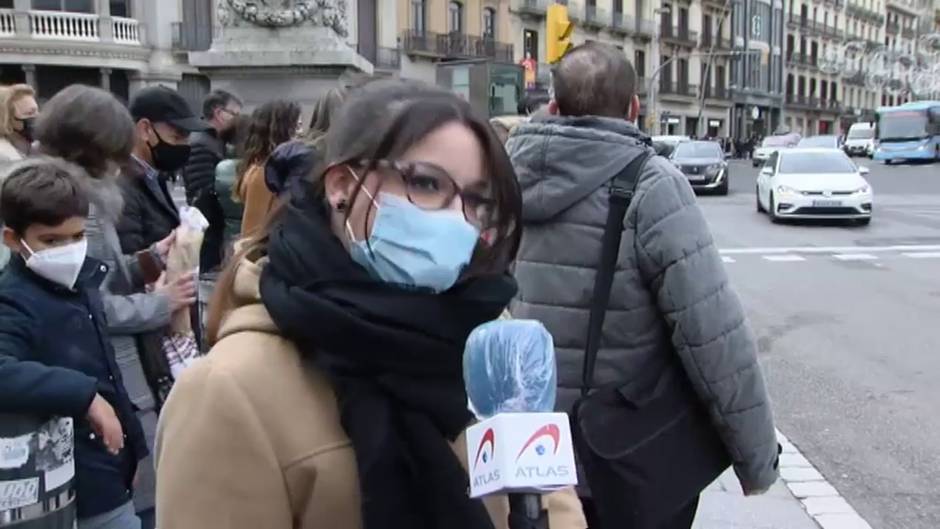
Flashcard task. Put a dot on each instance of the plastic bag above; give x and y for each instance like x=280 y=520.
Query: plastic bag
x=184 y=257
x=509 y=367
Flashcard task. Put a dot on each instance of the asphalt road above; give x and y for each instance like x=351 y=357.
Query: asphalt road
x=848 y=322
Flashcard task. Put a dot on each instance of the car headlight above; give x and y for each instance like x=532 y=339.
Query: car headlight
x=786 y=190
x=714 y=169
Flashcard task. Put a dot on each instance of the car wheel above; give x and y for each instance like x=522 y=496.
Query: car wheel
x=888 y=162
x=773 y=210
x=755 y=163
x=760 y=207
x=723 y=188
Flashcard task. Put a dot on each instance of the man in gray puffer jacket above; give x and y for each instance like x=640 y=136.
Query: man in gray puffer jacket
x=670 y=297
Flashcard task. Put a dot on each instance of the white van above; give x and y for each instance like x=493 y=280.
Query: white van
x=860 y=140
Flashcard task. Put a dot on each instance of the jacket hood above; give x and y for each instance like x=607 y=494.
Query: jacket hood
x=561 y=160
x=289 y=163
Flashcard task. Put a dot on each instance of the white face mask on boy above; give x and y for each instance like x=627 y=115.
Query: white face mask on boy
x=60 y=264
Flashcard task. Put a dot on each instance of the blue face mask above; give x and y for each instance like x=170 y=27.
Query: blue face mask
x=415 y=247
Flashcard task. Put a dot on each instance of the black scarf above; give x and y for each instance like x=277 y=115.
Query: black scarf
x=394 y=357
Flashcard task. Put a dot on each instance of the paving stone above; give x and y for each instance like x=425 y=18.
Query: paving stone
x=790 y=474
x=827 y=505
x=794 y=460
x=812 y=489
x=842 y=521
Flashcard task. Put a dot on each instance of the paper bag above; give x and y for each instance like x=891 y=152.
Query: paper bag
x=184 y=257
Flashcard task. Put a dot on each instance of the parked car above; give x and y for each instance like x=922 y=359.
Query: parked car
x=860 y=140
x=814 y=184
x=827 y=141
x=703 y=163
x=772 y=144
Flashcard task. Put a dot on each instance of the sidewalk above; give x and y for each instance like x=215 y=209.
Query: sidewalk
x=723 y=506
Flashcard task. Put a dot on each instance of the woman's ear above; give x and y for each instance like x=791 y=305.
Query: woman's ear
x=340 y=183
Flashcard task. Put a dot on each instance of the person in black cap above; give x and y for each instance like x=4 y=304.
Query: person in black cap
x=163 y=121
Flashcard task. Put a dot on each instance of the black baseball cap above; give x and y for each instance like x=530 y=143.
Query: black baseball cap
x=160 y=104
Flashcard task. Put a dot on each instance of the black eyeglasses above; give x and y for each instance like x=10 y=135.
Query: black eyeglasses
x=431 y=187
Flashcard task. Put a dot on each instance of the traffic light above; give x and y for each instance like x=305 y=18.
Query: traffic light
x=558 y=32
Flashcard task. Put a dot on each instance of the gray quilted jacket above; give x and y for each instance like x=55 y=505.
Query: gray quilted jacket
x=671 y=296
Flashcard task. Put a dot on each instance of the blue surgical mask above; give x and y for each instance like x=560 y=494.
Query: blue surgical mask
x=415 y=247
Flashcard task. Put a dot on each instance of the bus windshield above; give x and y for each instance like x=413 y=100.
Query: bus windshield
x=902 y=126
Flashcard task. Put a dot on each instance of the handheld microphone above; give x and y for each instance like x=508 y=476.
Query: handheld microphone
x=519 y=447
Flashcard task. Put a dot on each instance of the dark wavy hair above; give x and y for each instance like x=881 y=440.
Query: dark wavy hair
x=272 y=124
x=381 y=121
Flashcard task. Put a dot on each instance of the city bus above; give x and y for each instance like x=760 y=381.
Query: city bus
x=908 y=132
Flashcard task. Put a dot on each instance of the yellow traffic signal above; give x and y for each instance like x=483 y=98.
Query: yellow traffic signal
x=557 y=32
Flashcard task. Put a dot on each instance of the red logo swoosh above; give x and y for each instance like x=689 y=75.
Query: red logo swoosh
x=488 y=437
x=550 y=430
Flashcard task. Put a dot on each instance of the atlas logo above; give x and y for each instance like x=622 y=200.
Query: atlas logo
x=483 y=454
x=550 y=431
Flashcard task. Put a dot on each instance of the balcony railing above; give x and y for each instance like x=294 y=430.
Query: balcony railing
x=7 y=23
x=907 y=33
x=680 y=35
x=71 y=27
x=456 y=45
x=721 y=43
x=56 y=25
x=717 y=92
x=388 y=58
x=530 y=7
x=644 y=28
x=595 y=17
x=892 y=28
x=125 y=30
x=679 y=88
x=802 y=59
x=828 y=31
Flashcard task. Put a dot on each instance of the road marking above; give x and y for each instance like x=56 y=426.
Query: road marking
x=922 y=255
x=829 y=249
x=727 y=259
x=855 y=257
x=817 y=496
x=783 y=258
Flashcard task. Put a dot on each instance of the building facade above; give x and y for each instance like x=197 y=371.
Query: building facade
x=757 y=71
x=120 y=45
x=864 y=34
x=814 y=100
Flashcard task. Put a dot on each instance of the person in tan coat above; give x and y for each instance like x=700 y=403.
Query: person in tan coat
x=333 y=396
x=272 y=124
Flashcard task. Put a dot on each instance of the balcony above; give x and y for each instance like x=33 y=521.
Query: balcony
x=596 y=18
x=802 y=60
x=908 y=6
x=530 y=8
x=679 y=35
x=907 y=33
x=677 y=88
x=717 y=92
x=622 y=24
x=69 y=27
x=892 y=28
x=644 y=29
x=455 y=46
x=721 y=43
x=829 y=32
x=388 y=59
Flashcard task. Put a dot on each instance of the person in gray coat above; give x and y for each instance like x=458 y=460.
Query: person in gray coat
x=671 y=298
x=91 y=128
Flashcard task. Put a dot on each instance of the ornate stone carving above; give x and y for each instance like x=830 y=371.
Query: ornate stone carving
x=286 y=13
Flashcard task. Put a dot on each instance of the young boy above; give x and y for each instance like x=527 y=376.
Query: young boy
x=55 y=356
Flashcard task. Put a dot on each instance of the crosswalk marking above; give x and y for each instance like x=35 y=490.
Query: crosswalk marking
x=922 y=255
x=783 y=258
x=830 y=249
x=727 y=259
x=855 y=257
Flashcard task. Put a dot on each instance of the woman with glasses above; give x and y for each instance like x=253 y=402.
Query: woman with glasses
x=271 y=124
x=333 y=396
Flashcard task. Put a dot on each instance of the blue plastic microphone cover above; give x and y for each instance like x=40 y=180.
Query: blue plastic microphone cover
x=509 y=367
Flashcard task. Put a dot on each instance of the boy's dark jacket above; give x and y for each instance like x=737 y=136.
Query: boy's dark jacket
x=55 y=356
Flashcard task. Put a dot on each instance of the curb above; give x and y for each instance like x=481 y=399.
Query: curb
x=819 y=498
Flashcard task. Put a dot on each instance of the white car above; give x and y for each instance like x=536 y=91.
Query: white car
x=772 y=144
x=814 y=184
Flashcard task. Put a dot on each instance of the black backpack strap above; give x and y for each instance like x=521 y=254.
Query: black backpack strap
x=622 y=188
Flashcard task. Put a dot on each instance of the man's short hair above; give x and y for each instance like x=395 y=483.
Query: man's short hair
x=42 y=190
x=217 y=99
x=594 y=79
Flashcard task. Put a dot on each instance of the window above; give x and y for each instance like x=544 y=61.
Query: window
x=706 y=30
x=720 y=82
x=823 y=90
x=640 y=63
x=455 y=17
x=72 y=6
x=489 y=22
x=618 y=8
x=682 y=72
x=530 y=44
x=418 y=16
x=683 y=21
x=121 y=8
